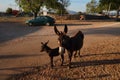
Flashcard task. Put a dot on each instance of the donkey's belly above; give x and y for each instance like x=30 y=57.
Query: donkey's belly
x=54 y=54
x=77 y=46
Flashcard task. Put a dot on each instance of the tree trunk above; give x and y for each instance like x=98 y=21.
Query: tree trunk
x=35 y=14
x=108 y=12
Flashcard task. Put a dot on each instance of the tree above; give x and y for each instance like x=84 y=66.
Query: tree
x=110 y=5
x=30 y=5
x=65 y=4
x=36 y=5
x=9 y=11
x=54 y=5
x=91 y=7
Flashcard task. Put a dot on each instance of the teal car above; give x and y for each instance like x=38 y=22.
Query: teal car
x=41 y=20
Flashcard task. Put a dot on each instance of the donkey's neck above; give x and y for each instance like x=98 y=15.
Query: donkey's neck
x=71 y=44
x=68 y=44
x=48 y=49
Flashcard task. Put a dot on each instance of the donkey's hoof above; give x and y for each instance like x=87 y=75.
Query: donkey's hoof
x=75 y=56
x=52 y=66
x=61 y=65
x=69 y=67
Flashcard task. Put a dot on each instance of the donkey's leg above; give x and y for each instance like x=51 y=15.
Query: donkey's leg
x=70 y=58
x=51 y=61
x=75 y=54
x=79 y=53
x=62 y=57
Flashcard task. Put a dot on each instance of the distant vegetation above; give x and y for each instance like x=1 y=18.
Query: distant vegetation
x=59 y=7
x=35 y=6
x=9 y=11
x=97 y=7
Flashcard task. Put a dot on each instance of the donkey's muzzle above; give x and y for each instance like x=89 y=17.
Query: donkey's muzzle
x=61 y=50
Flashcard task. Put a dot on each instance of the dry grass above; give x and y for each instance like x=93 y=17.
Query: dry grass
x=100 y=56
x=100 y=61
x=14 y=19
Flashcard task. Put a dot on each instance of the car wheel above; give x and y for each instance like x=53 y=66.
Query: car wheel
x=47 y=24
x=51 y=24
x=30 y=24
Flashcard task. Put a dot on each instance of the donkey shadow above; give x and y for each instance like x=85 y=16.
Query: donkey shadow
x=82 y=24
x=96 y=62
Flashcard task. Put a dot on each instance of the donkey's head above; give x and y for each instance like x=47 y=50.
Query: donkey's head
x=63 y=39
x=44 y=46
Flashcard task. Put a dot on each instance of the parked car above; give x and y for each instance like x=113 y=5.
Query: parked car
x=41 y=20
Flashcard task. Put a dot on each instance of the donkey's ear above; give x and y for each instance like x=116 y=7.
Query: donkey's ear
x=47 y=42
x=56 y=30
x=42 y=43
x=65 y=29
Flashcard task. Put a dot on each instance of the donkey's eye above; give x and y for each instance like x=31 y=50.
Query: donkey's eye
x=63 y=40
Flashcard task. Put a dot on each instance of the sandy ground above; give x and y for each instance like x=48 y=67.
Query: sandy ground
x=20 y=52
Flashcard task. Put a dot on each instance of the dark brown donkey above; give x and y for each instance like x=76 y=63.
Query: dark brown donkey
x=72 y=44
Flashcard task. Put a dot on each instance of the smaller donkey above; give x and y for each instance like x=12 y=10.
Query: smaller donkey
x=53 y=52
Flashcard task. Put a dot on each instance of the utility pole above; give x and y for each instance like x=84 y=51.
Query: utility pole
x=61 y=1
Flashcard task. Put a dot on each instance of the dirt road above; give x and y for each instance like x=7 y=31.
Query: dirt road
x=20 y=44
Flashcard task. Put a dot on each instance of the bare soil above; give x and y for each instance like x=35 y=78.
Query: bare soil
x=21 y=59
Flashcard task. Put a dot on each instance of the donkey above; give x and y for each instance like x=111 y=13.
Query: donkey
x=52 y=52
x=71 y=44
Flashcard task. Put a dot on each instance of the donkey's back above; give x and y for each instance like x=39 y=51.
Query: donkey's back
x=77 y=41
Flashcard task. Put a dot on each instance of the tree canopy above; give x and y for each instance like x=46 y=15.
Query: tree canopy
x=9 y=10
x=107 y=5
x=91 y=6
x=110 y=5
x=36 y=5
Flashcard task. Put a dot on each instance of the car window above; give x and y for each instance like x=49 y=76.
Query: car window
x=37 y=17
x=41 y=18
